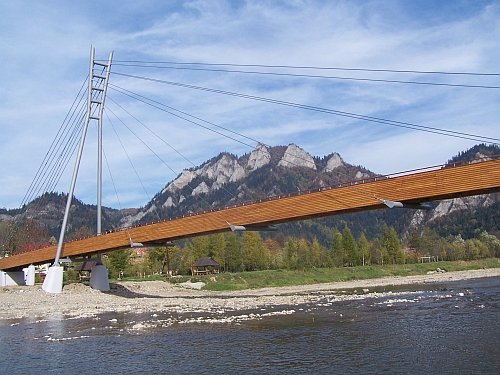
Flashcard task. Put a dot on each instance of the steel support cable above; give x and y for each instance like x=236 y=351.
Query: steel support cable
x=359 y=192
x=157 y=156
x=428 y=129
x=68 y=144
x=64 y=161
x=66 y=137
x=57 y=152
x=119 y=62
x=67 y=150
x=116 y=193
x=153 y=132
x=148 y=101
x=65 y=156
x=131 y=163
x=372 y=196
x=47 y=159
x=356 y=190
x=292 y=163
x=50 y=150
x=63 y=152
x=164 y=141
x=190 y=121
x=142 y=141
x=380 y=80
x=55 y=175
x=131 y=93
x=52 y=166
x=40 y=190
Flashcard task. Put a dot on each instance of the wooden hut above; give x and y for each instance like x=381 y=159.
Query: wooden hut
x=204 y=266
x=85 y=269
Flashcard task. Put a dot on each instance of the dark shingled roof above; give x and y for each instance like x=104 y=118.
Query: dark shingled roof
x=205 y=261
x=87 y=265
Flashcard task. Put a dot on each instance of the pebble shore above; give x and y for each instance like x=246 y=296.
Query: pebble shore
x=79 y=300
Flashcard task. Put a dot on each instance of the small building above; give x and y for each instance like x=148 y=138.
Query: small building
x=85 y=269
x=205 y=266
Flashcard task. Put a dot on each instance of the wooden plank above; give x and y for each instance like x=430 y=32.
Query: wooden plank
x=464 y=180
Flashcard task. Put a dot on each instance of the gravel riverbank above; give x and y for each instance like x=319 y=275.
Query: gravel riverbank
x=78 y=300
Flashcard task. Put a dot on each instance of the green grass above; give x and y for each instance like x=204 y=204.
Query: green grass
x=279 y=278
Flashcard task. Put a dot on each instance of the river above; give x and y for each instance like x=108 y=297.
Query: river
x=451 y=328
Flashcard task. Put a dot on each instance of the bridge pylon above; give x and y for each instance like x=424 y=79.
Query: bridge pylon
x=96 y=95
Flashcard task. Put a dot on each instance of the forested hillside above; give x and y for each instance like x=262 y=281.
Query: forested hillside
x=265 y=172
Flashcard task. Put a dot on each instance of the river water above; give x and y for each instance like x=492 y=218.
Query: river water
x=451 y=328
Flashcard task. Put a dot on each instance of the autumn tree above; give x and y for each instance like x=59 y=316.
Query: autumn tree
x=217 y=247
x=118 y=261
x=199 y=246
x=457 y=248
x=80 y=233
x=233 y=260
x=429 y=243
x=30 y=235
x=350 y=248
x=338 y=254
x=303 y=256
x=378 y=253
x=163 y=259
x=7 y=233
x=291 y=256
x=316 y=254
x=475 y=249
x=363 y=248
x=194 y=249
x=491 y=241
x=276 y=254
x=390 y=244
x=254 y=252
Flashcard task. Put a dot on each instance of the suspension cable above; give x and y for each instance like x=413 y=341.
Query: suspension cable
x=54 y=145
x=131 y=163
x=281 y=74
x=428 y=129
x=164 y=141
x=156 y=154
x=116 y=194
x=149 y=102
x=119 y=62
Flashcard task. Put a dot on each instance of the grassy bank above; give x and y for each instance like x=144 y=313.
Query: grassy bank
x=277 y=278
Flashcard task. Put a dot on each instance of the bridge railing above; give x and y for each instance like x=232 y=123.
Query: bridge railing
x=374 y=178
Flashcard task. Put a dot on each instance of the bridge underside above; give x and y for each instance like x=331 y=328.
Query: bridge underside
x=445 y=183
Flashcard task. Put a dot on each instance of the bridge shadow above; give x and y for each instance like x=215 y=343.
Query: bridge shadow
x=122 y=291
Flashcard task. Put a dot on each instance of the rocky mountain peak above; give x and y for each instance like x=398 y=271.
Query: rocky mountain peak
x=333 y=163
x=182 y=180
x=448 y=206
x=258 y=158
x=228 y=179
x=221 y=170
x=225 y=169
x=297 y=157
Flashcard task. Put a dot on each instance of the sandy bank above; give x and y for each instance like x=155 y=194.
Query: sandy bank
x=150 y=296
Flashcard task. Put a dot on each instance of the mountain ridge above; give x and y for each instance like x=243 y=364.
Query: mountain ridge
x=228 y=179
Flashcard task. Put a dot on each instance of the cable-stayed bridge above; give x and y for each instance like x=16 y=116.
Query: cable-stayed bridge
x=412 y=189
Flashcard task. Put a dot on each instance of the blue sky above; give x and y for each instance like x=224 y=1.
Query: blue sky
x=45 y=52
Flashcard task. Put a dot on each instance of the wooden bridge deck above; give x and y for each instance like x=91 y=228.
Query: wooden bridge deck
x=451 y=182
